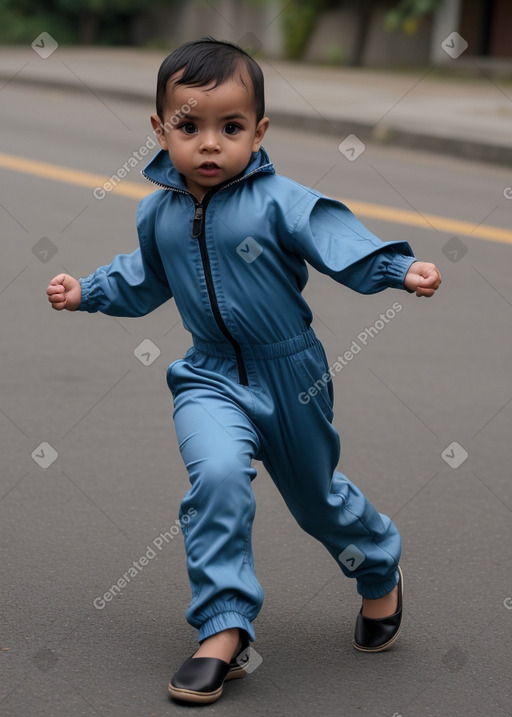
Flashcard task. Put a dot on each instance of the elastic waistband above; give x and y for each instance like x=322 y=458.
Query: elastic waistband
x=259 y=351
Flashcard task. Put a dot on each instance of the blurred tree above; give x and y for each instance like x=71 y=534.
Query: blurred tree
x=88 y=14
x=364 y=10
x=298 y=22
x=69 y=21
x=111 y=21
x=408 y=13
x=23 y=20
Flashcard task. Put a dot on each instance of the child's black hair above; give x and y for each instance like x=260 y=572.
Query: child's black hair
x=208 y=62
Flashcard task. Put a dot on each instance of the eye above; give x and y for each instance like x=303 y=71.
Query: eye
x=231 y=128
x=188 y=128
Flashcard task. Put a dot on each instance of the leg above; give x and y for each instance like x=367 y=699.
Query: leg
x=217 y=442
x=301 y=453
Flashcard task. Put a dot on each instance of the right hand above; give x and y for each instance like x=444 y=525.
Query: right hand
x=64 y=292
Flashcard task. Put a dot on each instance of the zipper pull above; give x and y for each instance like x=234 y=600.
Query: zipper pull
x=198 y=221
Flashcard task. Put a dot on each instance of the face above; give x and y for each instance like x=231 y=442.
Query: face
x=212 y=142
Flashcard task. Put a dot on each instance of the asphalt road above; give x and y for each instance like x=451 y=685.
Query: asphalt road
x=423 y=408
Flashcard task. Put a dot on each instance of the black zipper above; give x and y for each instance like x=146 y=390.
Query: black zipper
x=199 y=234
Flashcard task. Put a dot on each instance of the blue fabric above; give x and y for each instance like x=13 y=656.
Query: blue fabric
x=260 y=229
x=221 y=427
x=291 y=224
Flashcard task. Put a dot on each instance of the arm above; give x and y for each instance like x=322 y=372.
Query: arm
x=131 y=285
x=330 y=238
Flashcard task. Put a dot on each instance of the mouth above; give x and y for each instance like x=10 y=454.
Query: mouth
x=209 y=169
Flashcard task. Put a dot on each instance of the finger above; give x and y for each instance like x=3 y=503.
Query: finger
x=428 y=271
x=425 y=292
x=59 y=289
x=436 y=283
x=58 y=305
x=428 y=281
x=59 y=279
x=57 y=299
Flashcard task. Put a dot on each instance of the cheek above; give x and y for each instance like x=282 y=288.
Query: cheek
x=178 y=154
x=172 y=144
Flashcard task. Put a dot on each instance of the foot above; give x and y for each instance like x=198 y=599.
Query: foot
x=379 y=622
x=223 y=645
x=385 y=606
x=201 y=678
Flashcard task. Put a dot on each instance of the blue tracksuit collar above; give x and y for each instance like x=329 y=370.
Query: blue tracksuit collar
x=161 y=171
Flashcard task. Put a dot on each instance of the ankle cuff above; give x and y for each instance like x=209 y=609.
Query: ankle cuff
x=372 y=591
x=223 y=621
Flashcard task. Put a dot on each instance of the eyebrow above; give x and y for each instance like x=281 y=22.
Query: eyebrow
x=225 y=118
x=233 y=117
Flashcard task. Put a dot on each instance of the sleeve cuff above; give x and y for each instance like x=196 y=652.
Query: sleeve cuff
x=87 y=303
x=397 y=271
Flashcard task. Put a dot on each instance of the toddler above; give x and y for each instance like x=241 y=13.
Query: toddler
x=229 y=239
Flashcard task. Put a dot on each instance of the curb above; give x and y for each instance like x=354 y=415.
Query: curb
x=386 y=135
x=399 y=137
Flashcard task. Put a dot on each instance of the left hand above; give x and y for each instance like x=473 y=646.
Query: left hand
x=423 y=278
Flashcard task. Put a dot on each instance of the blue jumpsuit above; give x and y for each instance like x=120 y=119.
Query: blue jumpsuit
x=256 y=383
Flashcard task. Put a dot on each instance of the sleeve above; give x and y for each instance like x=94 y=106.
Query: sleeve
x=330 y=238
x=132 y=284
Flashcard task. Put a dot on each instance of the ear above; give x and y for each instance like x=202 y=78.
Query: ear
x=159 y=131
x=261 y=128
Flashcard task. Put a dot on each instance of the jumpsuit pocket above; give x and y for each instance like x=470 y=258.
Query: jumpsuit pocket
x=170 y=378
x=315 y=380
x=171 y=382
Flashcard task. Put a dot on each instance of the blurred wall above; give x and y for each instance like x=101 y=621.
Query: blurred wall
x=255 y=26
x=260 y=26
x=485 y=24
x=334 y=35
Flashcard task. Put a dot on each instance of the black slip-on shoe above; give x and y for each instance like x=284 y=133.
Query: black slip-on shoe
x=377 y=634
x=201 y=679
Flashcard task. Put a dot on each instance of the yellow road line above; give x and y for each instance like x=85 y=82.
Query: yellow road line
x=429 y=221
x=361 y=209
x=71 y=176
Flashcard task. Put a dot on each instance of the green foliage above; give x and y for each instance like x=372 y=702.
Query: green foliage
x=75 y=7
x=18 y=24
x=299 y=19
x=22 y=20
x=109 y=20
x=335 y=54
x=407 y=14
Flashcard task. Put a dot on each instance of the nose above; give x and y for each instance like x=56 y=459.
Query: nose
x=210 y=142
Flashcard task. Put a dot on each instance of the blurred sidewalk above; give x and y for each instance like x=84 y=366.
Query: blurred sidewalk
x=461 y=117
